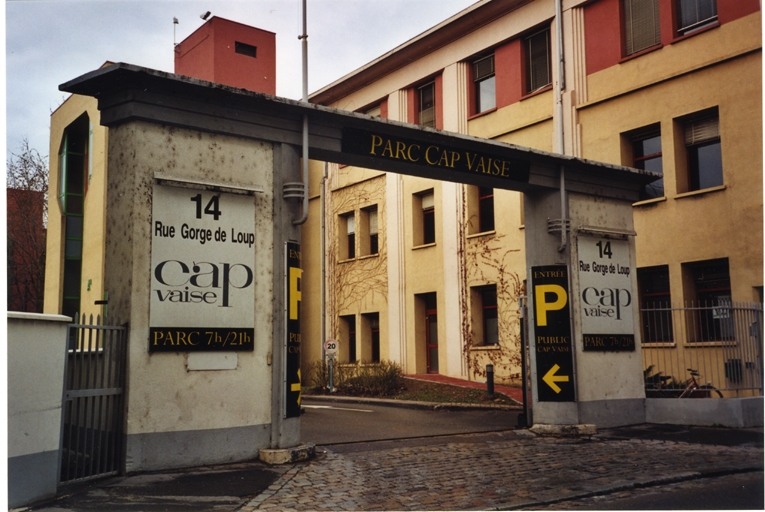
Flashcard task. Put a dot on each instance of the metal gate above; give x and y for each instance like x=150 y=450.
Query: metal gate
x=93 y=405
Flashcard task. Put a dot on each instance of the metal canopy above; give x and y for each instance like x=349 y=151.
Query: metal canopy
x=130 y=93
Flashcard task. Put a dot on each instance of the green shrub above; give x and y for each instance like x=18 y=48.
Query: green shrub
x=365 y=379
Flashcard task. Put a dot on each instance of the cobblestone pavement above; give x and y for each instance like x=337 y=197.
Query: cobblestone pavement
x=506 y=470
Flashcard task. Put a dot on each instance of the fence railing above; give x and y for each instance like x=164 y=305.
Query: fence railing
x=722 y=341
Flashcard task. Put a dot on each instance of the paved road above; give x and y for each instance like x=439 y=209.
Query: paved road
x=491 y=471
x=326 y=422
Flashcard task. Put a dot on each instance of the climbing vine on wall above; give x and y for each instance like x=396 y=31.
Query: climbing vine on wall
x=489 y=260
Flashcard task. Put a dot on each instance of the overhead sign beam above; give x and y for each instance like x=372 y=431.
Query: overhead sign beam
x=126 y=92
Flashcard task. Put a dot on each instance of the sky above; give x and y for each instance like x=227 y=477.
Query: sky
x=49 y=42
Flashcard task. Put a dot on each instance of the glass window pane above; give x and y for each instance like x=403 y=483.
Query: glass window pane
x=74 y=249
x=73 y=227
x=486 y=94
x=710 y=166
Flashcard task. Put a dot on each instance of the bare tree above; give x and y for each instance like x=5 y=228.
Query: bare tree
x=27 y=209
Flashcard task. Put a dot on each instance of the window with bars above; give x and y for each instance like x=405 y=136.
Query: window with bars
x=485 y=84
x=695 y=14
x=426 y=105
x=655 y=304
x=538 y=66
x=703 y=151
x=647 y=155
x=641 y=25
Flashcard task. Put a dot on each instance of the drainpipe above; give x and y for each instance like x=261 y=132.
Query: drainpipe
x=560 y=85
x=323 y=267
x=304 y=39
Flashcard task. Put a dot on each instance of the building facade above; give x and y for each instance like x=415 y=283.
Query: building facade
x=429 y=274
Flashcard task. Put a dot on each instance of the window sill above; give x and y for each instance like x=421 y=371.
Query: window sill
x=482 y=233
x=648 y=202
x=635 y=55
x=481 y=114
x=368 y=256
x=682 y=37
x=423 y=246
x=537 y=92
x=483 y=348
x=700 y=192
x=659 y=344
x=346 y=261
x=700 y=344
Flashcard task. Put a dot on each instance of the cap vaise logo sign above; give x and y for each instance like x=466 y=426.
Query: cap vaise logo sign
x=552 y=334
x=607 y=297
x=202 y=271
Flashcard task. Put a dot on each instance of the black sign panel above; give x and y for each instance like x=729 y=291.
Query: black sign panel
x=608 y=342
x=200 y=339
x=552 y=334
x=294 y=297
x=434 y=156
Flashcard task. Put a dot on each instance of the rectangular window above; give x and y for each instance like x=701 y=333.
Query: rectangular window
x=707 y=287
x=373 y=240
x=538 y=69
x=428 y=219
x=484 y=80
x=348 y=334
x=374 y=111
x=489 y=314
x=703 y=152
x=695 y=14
x=246 y=49
x=426 y=106
x=641 y=25
x=647 y=155
x=655 y=304
x=486 y=208
x=371 y=352
x=347 y=236
x=427 y=303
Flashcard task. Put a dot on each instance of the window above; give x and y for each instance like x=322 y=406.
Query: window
x=428 y=226
x=74 y=161
x=538 y=70
x=641 y=25
x=485 y=88
x=427 y=332
x=245 y=49
x=426 y=105
x=695 y=14
x=348 y=332
x=707 y=287
x=486 y=208
x=703 y=152
x=368 y=243
x=347 y=239
x=655 y=304
x=374 y=111
x=646 y=155
x=485 y=327
x=371 y=351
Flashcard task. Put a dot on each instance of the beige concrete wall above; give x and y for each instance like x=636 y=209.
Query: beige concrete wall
x=163 y=396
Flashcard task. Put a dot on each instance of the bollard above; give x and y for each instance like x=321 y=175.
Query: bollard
x=490 y=380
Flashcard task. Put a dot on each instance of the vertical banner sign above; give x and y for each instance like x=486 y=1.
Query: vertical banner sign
x=552 y=334
x=606 y=288
x=202 y=271
x=293 y=287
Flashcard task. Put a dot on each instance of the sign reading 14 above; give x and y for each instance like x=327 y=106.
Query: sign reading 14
x=605 y=250
x=212 y=208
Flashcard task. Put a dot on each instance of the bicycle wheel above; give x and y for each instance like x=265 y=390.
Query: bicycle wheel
x=704 y=392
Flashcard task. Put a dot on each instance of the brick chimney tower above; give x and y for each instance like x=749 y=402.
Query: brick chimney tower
x=229 y=53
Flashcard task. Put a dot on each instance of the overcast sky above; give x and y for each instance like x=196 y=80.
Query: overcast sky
x=49 y=42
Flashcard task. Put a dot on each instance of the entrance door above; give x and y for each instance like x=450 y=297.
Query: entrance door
x=431 y=332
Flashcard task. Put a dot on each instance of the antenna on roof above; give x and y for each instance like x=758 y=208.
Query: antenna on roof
x=205 y=15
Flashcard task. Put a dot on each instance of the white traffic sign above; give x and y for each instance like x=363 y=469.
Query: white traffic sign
x=330 y=347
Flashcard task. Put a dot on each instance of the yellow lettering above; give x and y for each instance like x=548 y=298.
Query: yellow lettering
x=295 y=294
x=192 y=334
x=444 y=160
x=542 y=307
x=170 y=338
x=158 y=335
x=388 y=149
x=181 y=337
x=400 y=150
x=504 y=168
x=470 y=160
x=455 y=157
x=376 y=141
x=481 y=165
x=495 y=167
x=409 y=153
x=427 y=155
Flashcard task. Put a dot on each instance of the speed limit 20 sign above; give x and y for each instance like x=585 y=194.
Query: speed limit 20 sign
x=330 y=347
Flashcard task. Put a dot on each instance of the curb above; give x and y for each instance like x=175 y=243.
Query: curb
x=288 y=455
x=411 y=404
x=652 y=482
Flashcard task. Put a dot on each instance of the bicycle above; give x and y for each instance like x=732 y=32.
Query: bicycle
x=694 y=390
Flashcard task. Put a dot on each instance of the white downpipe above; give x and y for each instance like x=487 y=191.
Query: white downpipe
x=560 y=85
x=323 y=264
x=304 y=38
